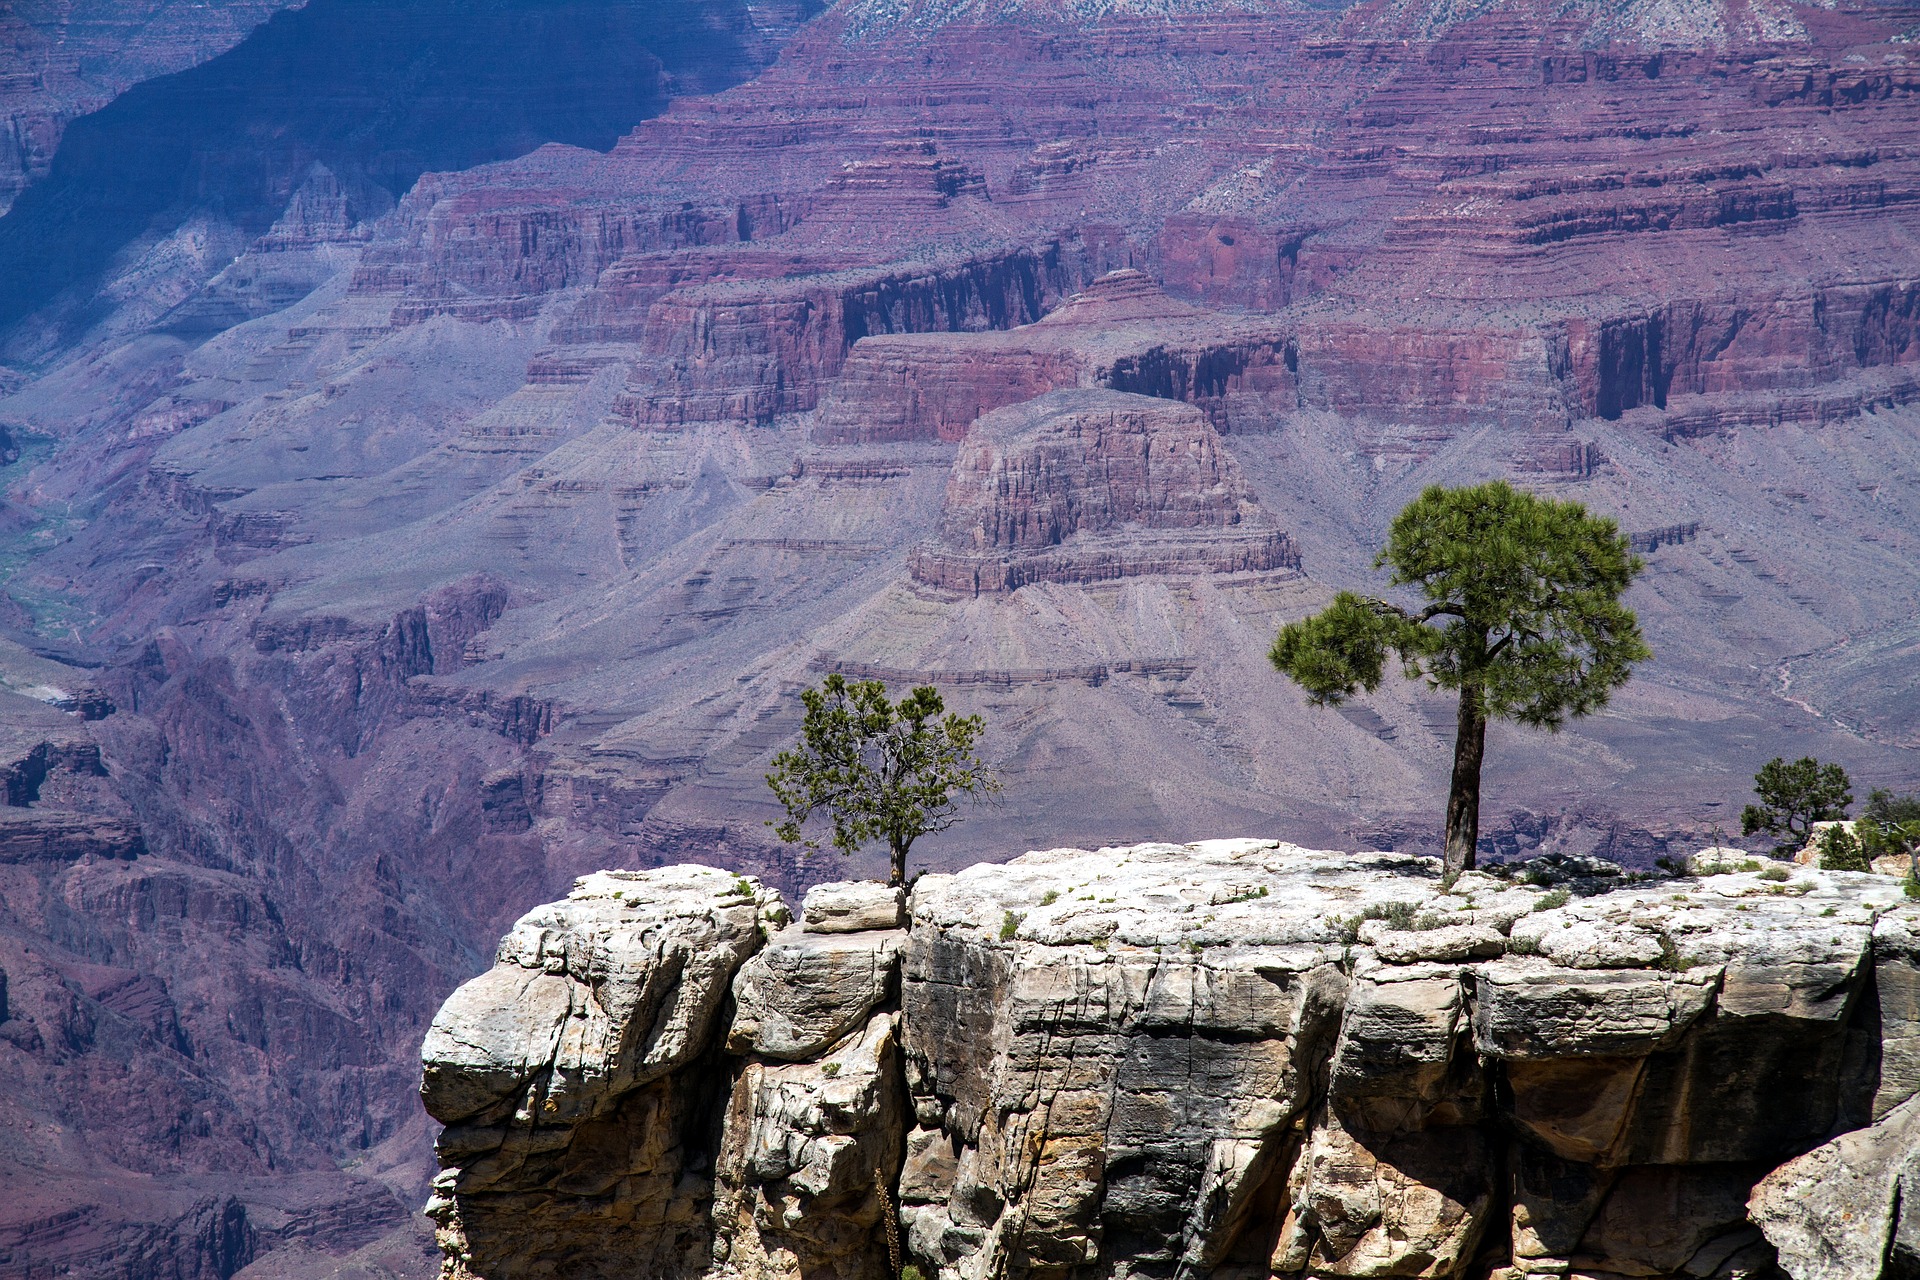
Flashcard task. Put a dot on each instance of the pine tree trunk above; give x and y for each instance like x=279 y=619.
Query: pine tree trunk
x=898 y=873
x=1463 y=798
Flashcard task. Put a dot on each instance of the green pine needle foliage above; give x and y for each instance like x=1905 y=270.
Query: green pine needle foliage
x=878 y=770
x=1839 y=851
x=1522 y=603
x=1794 y=796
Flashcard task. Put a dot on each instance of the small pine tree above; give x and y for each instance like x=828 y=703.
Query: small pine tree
x=877 y=769
x=1795 y=796
x=1840 y=851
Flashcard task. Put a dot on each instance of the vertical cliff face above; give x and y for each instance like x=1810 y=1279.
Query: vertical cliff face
x=1225 y=1059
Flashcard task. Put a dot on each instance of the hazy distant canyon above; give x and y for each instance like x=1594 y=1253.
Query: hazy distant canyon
x=444 y=437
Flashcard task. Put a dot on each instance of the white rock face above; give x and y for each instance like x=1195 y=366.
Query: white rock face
x=1836 y=1212
x=578 y=1034
x=1720 y=860
x=804 y=991
x=1234 y=1059
x=850 y=906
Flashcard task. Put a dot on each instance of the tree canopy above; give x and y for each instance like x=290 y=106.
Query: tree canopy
x=1521 y=616
x=878 y=770
x=1794 y=796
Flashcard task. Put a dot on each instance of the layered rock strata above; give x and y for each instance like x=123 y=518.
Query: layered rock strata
x=1121 y=332
x=1234 y=1058
x=1083 y=486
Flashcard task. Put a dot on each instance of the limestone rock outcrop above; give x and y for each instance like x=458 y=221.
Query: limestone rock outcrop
x=1087 y=485
x=1233 y=1058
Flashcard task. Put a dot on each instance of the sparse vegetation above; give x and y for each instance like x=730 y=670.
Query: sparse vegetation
x=1839 y=851
x=1522 y=619
x=1050 y=897
x=879 y=770
x=1670 y=957
x=1010 y=925
x=1793 y=797
x=1778 y=873
x=1889 y=827
x=1524 y=945
x=1552 y=901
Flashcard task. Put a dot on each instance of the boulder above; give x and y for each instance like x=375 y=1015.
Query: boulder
x=804 y=991
x=850 y=906
x=1845 y=1209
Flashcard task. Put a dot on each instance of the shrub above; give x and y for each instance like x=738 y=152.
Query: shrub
x=1010 y=925
x=1552 y=901
x=1781 y=873
x=1890 y=826
x=1840 y=851
x=1670 y=958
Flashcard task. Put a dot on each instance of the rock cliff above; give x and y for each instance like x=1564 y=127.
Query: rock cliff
x=1233 y=1058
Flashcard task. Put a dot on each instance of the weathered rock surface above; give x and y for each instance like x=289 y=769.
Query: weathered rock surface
x=1230 y=1058
x=1085 y=486
x=805 y=990
x=554 y=1073
x=850 y=906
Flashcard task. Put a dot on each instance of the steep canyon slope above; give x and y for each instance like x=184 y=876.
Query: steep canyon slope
x=401 y=549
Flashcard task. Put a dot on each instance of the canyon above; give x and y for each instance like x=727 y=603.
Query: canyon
x=449 y=498
x=1230 y=1058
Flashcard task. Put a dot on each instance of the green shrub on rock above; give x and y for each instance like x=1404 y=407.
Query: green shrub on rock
x=1840 y=851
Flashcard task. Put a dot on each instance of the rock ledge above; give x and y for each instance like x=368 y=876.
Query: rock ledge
x=1234 y=1058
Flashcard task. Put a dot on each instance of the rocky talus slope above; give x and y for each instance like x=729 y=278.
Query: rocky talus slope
x=1234 y=1058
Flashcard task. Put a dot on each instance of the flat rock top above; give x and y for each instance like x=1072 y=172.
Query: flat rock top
x=1267 y=894
x=612 y=910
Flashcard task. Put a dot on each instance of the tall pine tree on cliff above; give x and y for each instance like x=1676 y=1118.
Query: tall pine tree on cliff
x=1522 y=619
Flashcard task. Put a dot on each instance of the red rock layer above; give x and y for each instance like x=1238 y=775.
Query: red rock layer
x=1121 y=332
x=1086 y=486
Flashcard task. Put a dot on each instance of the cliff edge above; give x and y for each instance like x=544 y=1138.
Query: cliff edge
x=1232 y=1058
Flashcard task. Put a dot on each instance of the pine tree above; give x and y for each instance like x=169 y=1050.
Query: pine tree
x=878 y=770
x=1522 y=619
